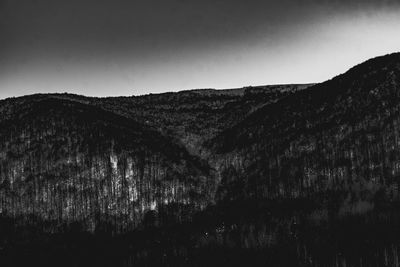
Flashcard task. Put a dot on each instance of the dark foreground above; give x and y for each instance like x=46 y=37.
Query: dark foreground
x=239 y=234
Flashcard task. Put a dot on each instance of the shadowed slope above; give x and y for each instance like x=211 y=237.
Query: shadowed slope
x=66 y=161
x=339 y=135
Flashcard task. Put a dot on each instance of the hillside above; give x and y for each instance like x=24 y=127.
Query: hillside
x=339 y=136
x=109 y=161
x=194 y=116
x=126 y=156
x=63 y=161
x=282 y=175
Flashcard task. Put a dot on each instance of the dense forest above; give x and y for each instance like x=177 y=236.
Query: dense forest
x=65 y=162
x=339 y=137
x=67 y=158
x=283 y=175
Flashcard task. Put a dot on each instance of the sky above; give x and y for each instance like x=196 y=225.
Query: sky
x=134 y=47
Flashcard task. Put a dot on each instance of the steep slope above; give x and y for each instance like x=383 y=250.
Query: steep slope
x=63 y=161
x=341 y=136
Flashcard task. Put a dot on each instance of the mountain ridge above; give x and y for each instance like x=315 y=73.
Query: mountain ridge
x=305 y=143
x=197 y=148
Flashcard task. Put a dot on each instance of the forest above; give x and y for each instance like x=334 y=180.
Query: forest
x=280 y=175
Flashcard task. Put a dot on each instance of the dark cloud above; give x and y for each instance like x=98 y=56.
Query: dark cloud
x=120 y=24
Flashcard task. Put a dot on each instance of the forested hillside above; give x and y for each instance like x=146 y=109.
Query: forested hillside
x=72 y=158
x=107 y=162
x=340 y=137
x=63 y=161
x=200 y=177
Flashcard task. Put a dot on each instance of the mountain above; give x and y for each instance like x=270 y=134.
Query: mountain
x=280 y=175
x=109 y=161
x=338 y=138
x=67 y=158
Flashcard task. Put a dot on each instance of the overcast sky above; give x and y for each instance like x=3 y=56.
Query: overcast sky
x=117 y=47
